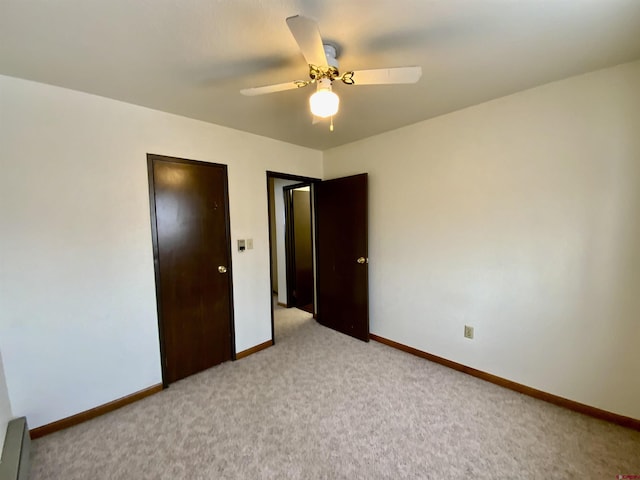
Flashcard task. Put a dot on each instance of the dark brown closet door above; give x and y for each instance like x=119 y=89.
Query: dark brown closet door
x=192 y=260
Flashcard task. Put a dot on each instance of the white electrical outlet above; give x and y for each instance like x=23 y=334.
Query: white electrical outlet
x=249 y=243
x=468 y=331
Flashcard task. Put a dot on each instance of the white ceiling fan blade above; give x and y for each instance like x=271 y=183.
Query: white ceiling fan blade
x=307 y=35
x=385 y=76
x=279 y=87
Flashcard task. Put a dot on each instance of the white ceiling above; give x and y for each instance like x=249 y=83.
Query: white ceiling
x=191 y=57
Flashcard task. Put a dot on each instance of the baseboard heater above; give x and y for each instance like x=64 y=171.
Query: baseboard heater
x=14 y=464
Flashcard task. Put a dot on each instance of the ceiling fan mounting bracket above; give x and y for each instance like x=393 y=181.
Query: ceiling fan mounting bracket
x=332 y=52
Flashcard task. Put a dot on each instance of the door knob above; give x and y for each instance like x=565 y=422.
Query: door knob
x=362 y=260
x=222 y=269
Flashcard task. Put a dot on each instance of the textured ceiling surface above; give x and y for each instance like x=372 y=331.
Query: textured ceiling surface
x=192 y=57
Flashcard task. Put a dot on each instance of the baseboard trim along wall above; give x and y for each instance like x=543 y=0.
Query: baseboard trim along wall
x=94 y=412
x=503 y=382
x=14 y=463
x=121 y=402
x=252 y=350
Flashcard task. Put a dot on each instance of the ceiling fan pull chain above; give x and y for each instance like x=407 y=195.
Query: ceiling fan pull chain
x=331 y=124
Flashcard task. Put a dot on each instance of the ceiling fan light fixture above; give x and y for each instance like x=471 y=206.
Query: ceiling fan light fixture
x=324 y=103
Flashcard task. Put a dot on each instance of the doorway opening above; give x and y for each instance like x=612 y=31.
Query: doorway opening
x=339 y=263
x=291 y=242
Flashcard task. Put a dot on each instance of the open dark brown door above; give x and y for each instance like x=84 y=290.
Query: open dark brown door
x=342 y=284
x=299 y=247
x=304 y=249
x=190 y=222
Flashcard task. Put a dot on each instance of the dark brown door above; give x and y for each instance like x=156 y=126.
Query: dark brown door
x=304 y=249
x=192 y=259
x=343 y=293
x=299 y=247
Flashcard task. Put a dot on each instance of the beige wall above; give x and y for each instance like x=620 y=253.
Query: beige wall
x=78 y=326
x=520 y=217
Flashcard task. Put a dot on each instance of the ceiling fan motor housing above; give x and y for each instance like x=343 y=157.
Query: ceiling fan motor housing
x=330 y=70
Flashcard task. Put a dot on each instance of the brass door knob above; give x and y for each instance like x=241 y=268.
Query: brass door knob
x=362 y=260
x=222 y=269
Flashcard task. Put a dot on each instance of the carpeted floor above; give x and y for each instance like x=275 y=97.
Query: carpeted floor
x=320 y=405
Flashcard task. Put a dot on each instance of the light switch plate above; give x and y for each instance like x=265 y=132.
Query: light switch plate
x=468 y=331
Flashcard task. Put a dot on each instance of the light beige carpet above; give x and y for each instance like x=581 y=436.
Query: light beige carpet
x=320 y=405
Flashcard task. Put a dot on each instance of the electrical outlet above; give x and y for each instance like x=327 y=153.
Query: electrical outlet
x=468 y=331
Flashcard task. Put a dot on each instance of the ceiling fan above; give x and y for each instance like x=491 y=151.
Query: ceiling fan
x=323 y=70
